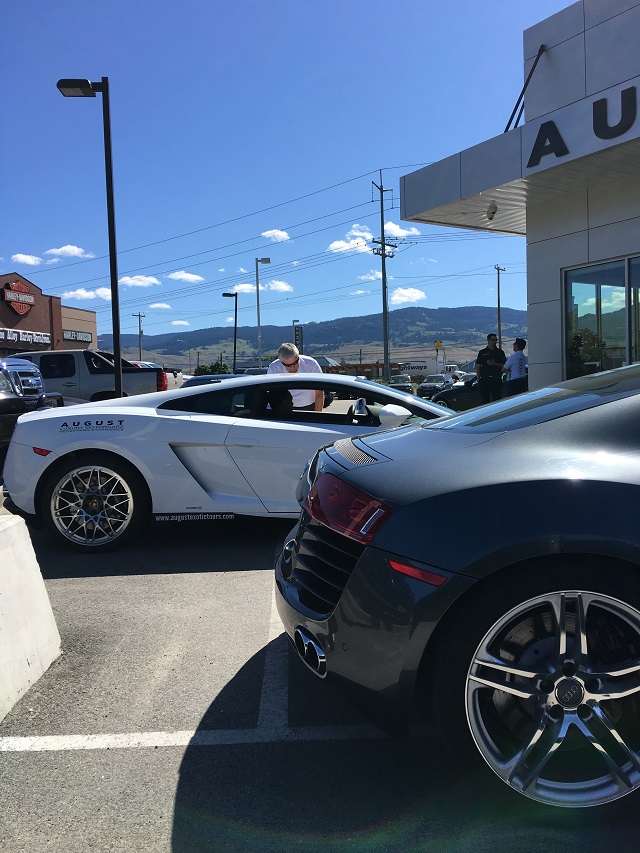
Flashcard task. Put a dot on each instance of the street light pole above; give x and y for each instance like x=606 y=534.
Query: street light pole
x=384 y=254
x=259 y=261
x=85 y=89
x=499 y=269
x=235 y=325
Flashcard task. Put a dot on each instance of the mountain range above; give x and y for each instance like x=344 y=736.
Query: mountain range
x=414 y=331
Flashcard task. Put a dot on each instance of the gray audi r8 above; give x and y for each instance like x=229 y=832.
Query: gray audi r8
x=518 y=639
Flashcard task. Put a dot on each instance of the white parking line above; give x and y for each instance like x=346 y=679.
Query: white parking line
x=272 y=724
x=274 y=704
x=203 y=737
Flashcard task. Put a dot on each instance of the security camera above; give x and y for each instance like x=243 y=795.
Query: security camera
x=492 y=210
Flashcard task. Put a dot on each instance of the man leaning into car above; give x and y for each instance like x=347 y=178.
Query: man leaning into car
x=290 y=361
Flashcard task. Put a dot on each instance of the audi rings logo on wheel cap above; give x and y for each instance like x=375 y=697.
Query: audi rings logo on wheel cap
x=570 y=693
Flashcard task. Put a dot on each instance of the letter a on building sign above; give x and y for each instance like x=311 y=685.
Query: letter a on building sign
x=548 y=141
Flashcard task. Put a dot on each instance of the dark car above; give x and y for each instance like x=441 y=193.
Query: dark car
x=432 y=384
x=207 y=379
x=401 y=382
x=518 y=641
x=21 y=390
x=460 y=396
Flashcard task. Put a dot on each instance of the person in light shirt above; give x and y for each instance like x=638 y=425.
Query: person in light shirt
x=290 y=361
x=515 y=368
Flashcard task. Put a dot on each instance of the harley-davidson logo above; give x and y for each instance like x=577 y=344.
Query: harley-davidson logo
x=18 y=295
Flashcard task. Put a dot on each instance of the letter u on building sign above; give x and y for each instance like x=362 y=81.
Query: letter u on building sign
x=628 y=114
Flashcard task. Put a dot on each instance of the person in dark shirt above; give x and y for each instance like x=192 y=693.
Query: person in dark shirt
x=489 y=370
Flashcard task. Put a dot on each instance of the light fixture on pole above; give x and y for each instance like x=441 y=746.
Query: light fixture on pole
x=235 y=325
x=182 y=341
x=259 y=261
x=85 y=89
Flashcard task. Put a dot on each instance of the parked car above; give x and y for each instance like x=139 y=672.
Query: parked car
x=90 y=375
x=433 y=383
x=460 y=396
x=175 y=378
x=208 y=378
x=519 y=641
x=402 y=382
x=21 y=390
x=97 y=472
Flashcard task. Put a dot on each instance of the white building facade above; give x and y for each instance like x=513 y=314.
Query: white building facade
x=568 y=179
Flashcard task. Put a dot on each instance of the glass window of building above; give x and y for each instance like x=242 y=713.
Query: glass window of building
x=596 y=318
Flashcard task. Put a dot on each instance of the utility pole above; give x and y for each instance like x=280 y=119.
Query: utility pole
x=499 y=269
x=139 y=316
x=382 y=251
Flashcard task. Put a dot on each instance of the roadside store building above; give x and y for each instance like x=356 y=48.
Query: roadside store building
x=31 y=320
x=568 y=179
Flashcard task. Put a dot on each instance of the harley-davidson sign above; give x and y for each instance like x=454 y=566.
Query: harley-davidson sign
x=18 y=295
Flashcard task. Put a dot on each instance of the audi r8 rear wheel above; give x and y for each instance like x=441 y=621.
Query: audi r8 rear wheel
x=95 y=504
x=547 y=686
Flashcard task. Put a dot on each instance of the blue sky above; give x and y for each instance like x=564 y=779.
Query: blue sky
x=248 y=129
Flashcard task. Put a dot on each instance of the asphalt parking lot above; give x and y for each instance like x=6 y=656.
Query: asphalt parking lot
x=178 y=719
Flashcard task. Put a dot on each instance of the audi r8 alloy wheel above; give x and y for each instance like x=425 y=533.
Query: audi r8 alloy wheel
x=94 y=505
x=551 y=695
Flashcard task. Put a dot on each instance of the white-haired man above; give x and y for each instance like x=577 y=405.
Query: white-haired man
x=290 y=361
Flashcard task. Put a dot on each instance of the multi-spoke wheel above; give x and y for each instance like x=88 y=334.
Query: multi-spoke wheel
x=94 y=505
x=551 y=691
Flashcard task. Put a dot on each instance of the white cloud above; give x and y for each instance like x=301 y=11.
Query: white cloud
x=356 y=240
x=280 y=286
x=295 y=263
x=189 y=277
x=276 y=235
x=160 y=305
x=394 y=230
x=83 y=293
x=222 y=269
x=53 y=261
x=179 y=323
x=406 y=294
x=360 y=231
x=242 y=270
x=374 y=275
x=614 y=299
x=356 y=245
x=229 y=320
x=138 y=280
x=359 y=292
x=30 y=260
x=69 y=252
x=246 y=288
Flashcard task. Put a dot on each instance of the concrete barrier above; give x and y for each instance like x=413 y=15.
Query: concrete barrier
x=29 y=638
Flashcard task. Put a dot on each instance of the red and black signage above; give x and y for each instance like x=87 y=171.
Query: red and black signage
x=19 y=297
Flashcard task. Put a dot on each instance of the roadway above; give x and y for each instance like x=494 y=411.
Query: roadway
x=178 y=719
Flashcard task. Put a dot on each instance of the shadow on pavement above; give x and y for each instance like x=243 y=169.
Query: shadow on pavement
x=243 y=544
x=377 y=795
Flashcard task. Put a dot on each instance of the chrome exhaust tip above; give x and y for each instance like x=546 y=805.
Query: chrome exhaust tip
x=311 y=652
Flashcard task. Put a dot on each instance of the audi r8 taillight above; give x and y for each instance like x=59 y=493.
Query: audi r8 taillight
x=342 y=507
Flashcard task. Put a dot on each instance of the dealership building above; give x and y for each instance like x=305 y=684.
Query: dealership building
x=31 y=320
x=568 y=179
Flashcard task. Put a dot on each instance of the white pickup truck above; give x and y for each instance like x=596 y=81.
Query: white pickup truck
x=88 y=375
x=174 y=376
